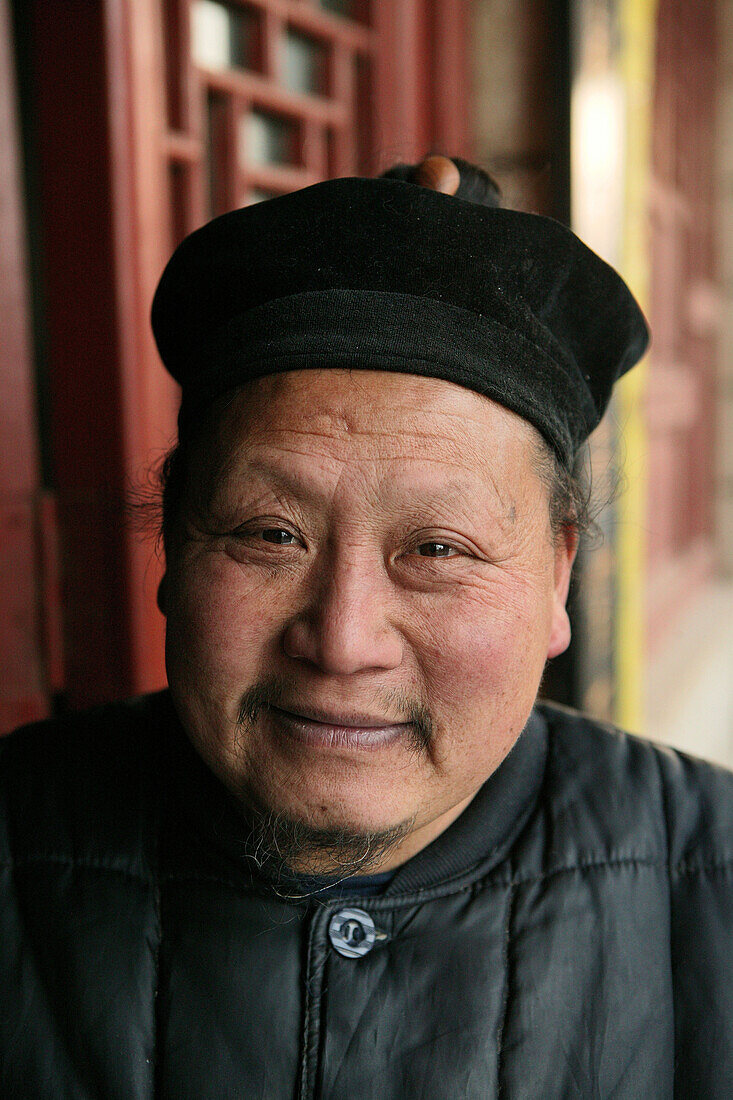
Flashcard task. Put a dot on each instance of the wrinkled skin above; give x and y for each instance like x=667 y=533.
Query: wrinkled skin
x=416 y=566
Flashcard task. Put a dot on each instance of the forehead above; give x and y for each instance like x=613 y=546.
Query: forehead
x=363 y=414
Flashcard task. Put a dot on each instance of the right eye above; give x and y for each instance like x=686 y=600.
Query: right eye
x=277 y=535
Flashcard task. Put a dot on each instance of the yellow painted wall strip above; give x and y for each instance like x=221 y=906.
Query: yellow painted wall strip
x=638 y=26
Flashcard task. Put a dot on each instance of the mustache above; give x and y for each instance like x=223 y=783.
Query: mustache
x=283 y=692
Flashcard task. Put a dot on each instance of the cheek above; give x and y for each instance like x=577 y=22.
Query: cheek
x=218 y=624
x=483 y=668
x=484 y=652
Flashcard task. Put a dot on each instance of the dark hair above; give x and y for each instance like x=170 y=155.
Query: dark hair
x=172 y=476
x=569 y=490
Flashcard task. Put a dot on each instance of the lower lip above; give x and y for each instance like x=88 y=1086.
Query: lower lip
x=324 y=735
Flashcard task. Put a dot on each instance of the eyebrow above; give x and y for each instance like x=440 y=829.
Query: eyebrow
x=285 y=480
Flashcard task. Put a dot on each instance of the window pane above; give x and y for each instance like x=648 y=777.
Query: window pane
x=304 y=64
x=257 y=195
x=347 y=8
x=222 y=37
x=267 y=139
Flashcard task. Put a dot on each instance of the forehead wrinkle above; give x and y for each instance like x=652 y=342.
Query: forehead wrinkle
x=395 y=445
x=340 y=405
x=452 y=446
x=343 y=399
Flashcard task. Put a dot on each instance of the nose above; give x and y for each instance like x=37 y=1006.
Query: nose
x=345 y=625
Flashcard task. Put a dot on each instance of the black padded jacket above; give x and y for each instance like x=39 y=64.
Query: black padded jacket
x=569 y=935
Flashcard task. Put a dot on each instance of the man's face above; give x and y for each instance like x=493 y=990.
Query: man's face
x=362 y=602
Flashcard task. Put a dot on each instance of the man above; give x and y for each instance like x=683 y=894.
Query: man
x=347 y=854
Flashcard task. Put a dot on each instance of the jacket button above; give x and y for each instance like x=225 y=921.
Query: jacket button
x=352 y=932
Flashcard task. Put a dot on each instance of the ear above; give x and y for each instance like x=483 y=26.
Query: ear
x=565 y=551
x=161 y=597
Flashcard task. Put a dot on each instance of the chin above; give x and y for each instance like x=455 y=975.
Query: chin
x=318 y=806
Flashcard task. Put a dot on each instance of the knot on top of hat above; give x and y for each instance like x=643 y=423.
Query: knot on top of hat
x=439 y=173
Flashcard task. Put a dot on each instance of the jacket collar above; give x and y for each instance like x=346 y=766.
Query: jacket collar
x=482 y=835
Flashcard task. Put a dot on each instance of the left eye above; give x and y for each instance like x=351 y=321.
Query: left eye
x=277 y=535
x=435 y=550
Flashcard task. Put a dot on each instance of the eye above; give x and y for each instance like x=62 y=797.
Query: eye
x=435 y=550
x=255 y=534
x=277 y=535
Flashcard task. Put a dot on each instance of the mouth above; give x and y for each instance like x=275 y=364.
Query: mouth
x=353 y=731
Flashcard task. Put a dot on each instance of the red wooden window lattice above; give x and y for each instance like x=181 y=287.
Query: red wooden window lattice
x=263 y=97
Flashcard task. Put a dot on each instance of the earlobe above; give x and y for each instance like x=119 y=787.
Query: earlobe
x=560 y=632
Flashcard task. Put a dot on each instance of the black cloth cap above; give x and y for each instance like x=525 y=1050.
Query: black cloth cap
x=382 y=274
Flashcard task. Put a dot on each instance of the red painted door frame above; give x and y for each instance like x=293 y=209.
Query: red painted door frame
x=29 y=666
x=110 y=405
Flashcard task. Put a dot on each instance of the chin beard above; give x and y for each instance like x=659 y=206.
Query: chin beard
x=282 y=845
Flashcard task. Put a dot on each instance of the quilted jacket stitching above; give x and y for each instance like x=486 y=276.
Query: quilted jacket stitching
x=506 y=993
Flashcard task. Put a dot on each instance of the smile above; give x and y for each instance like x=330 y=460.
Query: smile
x=338 y=731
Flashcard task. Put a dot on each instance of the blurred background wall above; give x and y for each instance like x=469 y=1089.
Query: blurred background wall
x=124 y=124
